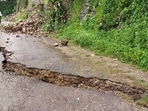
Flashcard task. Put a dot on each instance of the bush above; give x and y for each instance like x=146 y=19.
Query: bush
x=124 y=33
x=7 y=7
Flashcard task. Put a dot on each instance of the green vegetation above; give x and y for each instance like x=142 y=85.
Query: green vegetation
x=116 y=28
x=56 y=15
x=10 y=6
x=7 y=7
x=143 y=101
x=21 y=15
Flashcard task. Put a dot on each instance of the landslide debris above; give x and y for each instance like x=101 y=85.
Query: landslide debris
x=70 y=80
x=73 y=80
x=30 y=25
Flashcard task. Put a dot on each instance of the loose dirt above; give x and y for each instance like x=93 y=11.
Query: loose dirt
x=68 y=79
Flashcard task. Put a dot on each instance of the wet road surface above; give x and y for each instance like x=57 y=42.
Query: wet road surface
x=19 y=93
x=28 y=94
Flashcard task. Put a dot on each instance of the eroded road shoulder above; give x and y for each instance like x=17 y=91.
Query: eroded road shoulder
x=20 y=93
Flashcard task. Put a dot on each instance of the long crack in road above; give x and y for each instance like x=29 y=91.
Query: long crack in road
x=68 y=79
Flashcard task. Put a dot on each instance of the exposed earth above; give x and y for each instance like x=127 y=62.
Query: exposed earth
x=75 y=75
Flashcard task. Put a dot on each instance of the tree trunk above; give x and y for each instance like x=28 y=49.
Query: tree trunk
x=21 y=4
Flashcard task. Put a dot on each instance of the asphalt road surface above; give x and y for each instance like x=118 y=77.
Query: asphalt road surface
x=20 y=93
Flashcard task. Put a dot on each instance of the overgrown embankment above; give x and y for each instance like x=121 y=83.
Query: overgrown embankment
x=115 y=28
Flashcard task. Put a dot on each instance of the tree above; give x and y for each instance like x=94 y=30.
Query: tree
x=21 y=4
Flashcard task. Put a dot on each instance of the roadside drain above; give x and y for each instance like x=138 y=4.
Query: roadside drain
x=68 y=79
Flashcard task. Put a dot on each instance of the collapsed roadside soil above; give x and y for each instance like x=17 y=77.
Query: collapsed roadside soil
x=68 y=79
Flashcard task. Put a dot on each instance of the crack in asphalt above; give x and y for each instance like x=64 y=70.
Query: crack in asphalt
x=69 y=79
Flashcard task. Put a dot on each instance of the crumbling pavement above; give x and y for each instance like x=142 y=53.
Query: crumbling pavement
x=68 y=79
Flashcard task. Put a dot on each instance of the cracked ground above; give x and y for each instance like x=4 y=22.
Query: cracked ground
x=52 y=80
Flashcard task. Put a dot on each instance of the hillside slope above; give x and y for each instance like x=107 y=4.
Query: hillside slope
x=116 y=28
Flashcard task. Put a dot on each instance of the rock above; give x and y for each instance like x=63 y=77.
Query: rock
x=29 y=26
x=64 y=42
x=31 y=33
x=17 y=35
x=16 y=28
x=23 y=29
x=30 y=23
x=8 y=28
x=78 y=99
x=56 y=44
x=93 y=55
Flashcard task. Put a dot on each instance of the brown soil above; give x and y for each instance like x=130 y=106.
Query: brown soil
x=70 y=80
x=108 y=67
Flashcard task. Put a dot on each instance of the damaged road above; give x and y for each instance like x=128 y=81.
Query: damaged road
x=41 y=65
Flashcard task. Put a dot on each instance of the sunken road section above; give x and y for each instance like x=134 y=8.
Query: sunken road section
x=68 y=79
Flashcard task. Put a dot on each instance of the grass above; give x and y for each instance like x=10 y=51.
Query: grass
x=21 y=15
x=118 y=43
x=141 y=83
x=143 y=101
x=1 y=27
x=127 y=42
